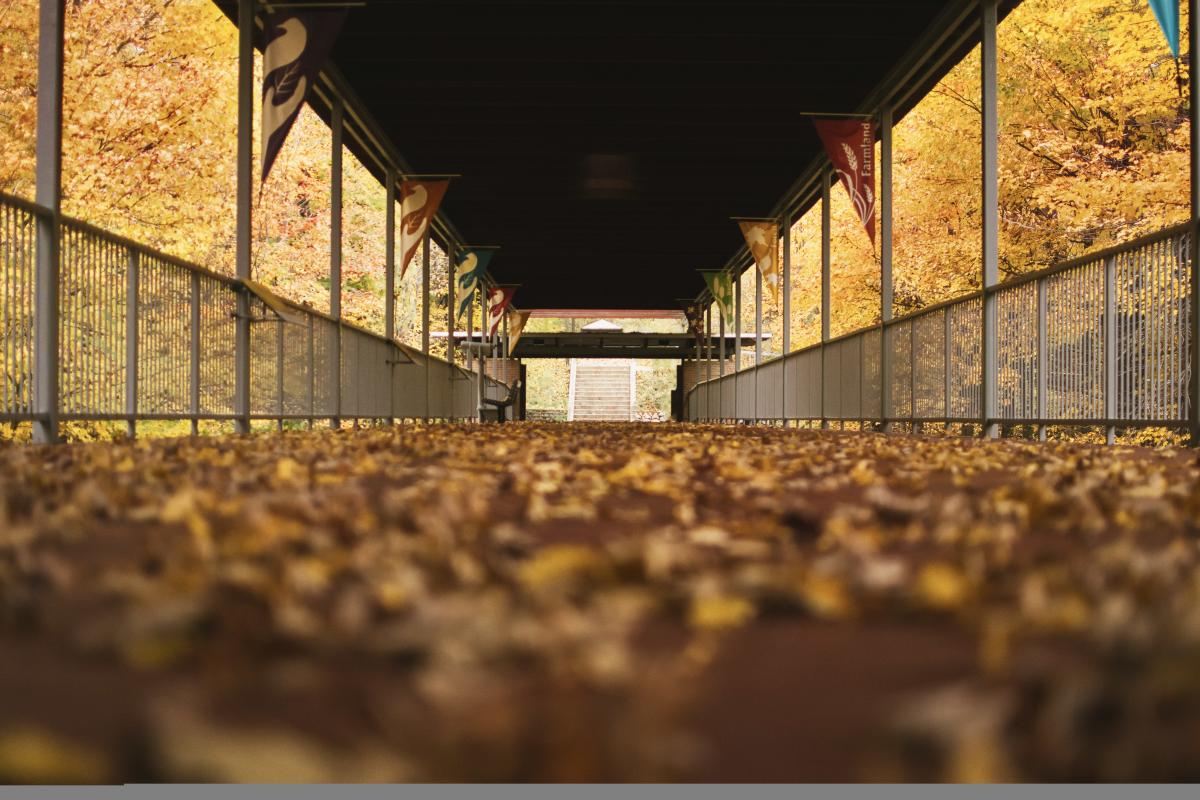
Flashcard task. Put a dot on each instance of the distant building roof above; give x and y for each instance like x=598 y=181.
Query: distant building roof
x=602 y=325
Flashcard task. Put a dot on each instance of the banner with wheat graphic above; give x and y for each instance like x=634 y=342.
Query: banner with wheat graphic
x=850 y=144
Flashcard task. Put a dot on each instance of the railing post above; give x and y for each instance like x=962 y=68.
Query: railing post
x=737 y=338
x=245 y=231
x=312 y=367
x=1110 y=349
x=758 y=337
x=1193 y=238
x=471 y=336
x=425 y=256
x=450 y=322
x=131 y=342
x=826 y=178
x=337 y=123
x=279 y=373
x=946 y=367
x=721 y=366
x=1043 y=319
x=194 y=404
x=991 y=215
x=785 y=222
x=708 y=361
x=483 y=336
x=886 y=290
x=51 y=17
x=912 y=377
x=389 y=292
x=451 y=346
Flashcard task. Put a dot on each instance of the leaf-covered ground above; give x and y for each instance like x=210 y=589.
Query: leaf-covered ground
x=592 y=602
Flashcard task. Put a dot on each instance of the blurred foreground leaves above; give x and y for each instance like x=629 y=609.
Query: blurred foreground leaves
x=587 y=602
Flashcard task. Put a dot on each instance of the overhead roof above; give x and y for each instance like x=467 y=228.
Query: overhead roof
x=604 y=144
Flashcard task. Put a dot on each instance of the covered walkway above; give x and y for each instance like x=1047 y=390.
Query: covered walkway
x=360 y=580
x=597 y=602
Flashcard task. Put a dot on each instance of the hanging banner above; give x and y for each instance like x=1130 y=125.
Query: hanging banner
x=720 y=284
x=297 y=44
x=850 y=144
x=762 y=238
x=693 y=313
x=468 y=272
x=498 y=299
x=1167 y=14
x=516 y=326
x=419 y=201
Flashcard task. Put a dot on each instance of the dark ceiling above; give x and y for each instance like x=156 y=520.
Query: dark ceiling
x=605 y=144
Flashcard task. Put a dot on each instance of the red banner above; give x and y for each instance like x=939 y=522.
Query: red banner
x=419 y=201
x=850 y=144
x=498 y=299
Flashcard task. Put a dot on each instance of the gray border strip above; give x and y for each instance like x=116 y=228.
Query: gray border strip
x=591 y=791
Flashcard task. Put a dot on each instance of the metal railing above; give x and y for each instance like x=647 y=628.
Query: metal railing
x=1101 y=340
x=144 y=336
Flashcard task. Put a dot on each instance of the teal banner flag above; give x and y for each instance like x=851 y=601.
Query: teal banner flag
x=720 y=285
x=468 y=274
x=1167 y=14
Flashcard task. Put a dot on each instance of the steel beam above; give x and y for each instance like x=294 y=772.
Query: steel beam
x=826 y=182
x=758 y=338
x=991 y=213
x=786 y=277
x=425 y=256
x=194 y=356
x=48 y=193
x=1194 y=235
x=337 y=123
x=389 y=291
x=131 y=341
x=737 y=338
x=245 y=229
x=886 y=291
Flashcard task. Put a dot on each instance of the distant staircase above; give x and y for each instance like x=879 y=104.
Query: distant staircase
x=602 y=389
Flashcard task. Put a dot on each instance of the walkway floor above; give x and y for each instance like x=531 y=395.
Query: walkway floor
x=604 y=601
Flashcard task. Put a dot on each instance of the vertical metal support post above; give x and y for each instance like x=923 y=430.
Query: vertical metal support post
x=483 y=337
x=721 y=365
x=51 y=20
x=1042 y=345
x=708 y=360
x=737 y=339
x=450 y=305
x=426 y=253
x=279 y=373
x=245 y=231
x=470 y=345
x=758 y=337
x=886 y=290
x=195 y=354
x=1110 y=348
x=826 y=181
x=450 y=344
x=131 y=342
x=991 y=214
x=389 y=256
x=337 y=119
x=1193 y=238
x=721 y=345
x=312 y=378
x=912 y=377
x=946 y=368
x=389 y=291
x=786 y=277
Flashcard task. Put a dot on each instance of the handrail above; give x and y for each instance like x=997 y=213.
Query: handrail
x=99 y=280
x=1112 y=311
